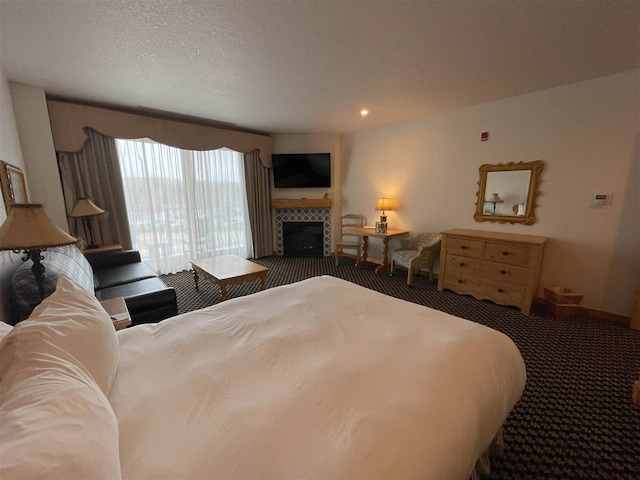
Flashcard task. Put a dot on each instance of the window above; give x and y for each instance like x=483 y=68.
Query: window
x=184 y=204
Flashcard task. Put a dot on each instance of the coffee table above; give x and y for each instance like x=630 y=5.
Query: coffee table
x=226 y=270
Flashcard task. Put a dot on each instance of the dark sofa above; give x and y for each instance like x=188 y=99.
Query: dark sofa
x=124 y=274
x=109 y=275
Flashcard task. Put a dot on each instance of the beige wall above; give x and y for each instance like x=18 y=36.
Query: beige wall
x=9 y=141
x=586 y=133
x=32 y=119
x=9 y=152
x=313 y=143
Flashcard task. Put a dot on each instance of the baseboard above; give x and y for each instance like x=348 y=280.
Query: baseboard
x=579 y=310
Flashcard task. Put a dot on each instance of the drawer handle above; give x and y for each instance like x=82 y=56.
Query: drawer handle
x=500 y=290
x=459 y=280
x=463 y=247
x=503 y=272
x=462 y=264
x=505 y=253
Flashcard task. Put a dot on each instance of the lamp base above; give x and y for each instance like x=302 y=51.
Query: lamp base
x=35 y=255
x=381 y=227
x=92 y=242
x=383 y=218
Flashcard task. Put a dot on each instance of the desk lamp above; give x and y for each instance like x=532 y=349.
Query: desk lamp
x=383 y=204
x=28 y=229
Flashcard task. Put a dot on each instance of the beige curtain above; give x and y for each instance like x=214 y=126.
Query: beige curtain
x=94 y=172
x=259 y=200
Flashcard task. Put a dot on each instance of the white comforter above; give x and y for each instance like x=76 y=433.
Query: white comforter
x=319 y=379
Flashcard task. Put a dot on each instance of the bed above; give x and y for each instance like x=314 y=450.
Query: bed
x=317 y=379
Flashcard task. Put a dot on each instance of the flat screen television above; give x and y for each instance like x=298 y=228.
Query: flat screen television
x=301 y=170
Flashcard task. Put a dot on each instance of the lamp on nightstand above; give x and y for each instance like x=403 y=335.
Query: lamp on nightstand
x=85 y=209
x=28 y=229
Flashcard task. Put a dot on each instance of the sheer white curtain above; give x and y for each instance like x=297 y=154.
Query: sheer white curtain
x=184 y=204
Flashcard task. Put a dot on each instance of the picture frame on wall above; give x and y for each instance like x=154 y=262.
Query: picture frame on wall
x=13 y=184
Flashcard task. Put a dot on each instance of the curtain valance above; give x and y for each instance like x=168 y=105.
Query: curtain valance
x=68 y=122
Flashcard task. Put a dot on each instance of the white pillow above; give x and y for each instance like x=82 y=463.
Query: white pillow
x=5 y=328
x=70 y=320
x=56 y=369
x=56 y=423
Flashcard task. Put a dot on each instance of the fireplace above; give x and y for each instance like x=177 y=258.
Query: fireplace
x=299 y=215
x=303 y=239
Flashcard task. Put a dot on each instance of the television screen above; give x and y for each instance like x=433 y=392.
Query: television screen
x=301 y=170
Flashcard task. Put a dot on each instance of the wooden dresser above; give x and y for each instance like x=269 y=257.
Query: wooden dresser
x=501 y=267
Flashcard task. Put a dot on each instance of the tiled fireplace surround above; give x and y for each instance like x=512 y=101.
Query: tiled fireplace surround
x=303 y=215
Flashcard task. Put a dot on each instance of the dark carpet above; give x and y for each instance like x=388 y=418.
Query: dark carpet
x=575 y=419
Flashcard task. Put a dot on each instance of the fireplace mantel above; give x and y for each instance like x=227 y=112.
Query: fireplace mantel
x=301 y=203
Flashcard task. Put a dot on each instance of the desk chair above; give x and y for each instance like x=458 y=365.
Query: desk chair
x=349 y=242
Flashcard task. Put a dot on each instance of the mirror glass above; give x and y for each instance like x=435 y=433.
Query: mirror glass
x=507 y=192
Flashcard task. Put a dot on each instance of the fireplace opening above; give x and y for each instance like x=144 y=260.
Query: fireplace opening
x=302 y=239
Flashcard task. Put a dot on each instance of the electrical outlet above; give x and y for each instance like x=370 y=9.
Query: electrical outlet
x=600 y=200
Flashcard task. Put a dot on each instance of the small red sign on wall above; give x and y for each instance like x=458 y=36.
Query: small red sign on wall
x=484 y=136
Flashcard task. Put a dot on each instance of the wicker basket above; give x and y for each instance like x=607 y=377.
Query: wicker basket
x=562 y=296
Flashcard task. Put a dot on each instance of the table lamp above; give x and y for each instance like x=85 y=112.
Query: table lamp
x=383 y=204
x=495 y=198
x=28 y=229
x=85 y=209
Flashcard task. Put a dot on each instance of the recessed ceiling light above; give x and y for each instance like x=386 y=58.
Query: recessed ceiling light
x=364 y=112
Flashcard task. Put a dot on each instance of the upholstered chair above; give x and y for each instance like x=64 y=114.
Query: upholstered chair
x=416 y=251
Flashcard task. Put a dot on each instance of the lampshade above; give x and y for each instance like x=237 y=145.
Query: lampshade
x=29 y=227
x=495 y=198
x=85 y=208
x=383 y=204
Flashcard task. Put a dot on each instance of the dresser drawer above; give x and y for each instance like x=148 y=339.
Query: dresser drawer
x=499 y=292
x=462 y=265
x=502 y=272
x=507 y=253
x=463 y=246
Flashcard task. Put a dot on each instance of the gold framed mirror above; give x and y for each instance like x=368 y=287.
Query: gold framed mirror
x=507 y=192
x=14 y=188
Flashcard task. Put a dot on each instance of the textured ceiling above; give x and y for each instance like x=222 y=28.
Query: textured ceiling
x=285 y=66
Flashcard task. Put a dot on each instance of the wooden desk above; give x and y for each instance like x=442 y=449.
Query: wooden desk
x=114 y=247
x=228 y=270
x=371 y=232
x=118 y=311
